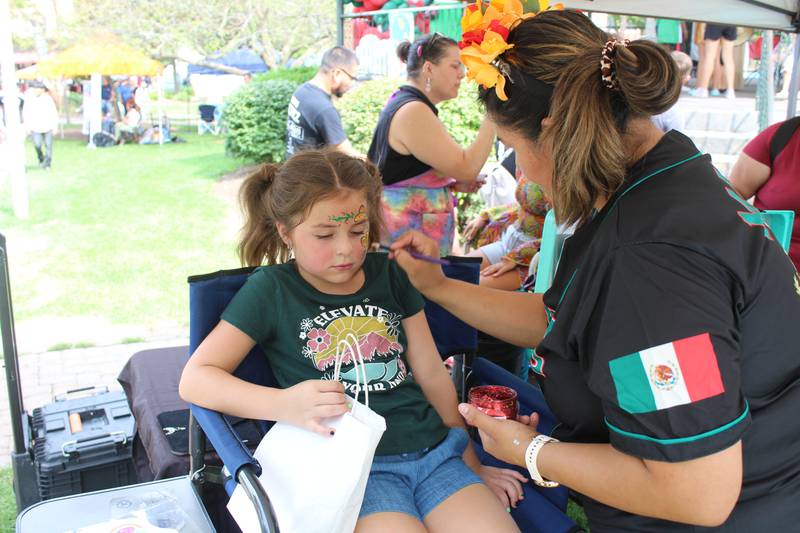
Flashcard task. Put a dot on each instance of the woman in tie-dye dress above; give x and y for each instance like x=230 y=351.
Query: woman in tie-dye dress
x=420 y=162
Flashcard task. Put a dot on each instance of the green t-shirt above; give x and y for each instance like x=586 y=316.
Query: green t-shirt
x=299 y=327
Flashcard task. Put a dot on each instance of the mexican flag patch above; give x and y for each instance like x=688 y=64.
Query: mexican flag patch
x=675 y=373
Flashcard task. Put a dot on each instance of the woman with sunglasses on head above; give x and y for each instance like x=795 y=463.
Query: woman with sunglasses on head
x=418 y=159
x=667 y=346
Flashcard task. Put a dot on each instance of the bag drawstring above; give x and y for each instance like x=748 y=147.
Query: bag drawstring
x=350 y=342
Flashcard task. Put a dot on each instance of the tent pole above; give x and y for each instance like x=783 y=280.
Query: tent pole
x=792 y=108
x=15 y=135
x=765 y=91
x=160 y=115
x=95 y=104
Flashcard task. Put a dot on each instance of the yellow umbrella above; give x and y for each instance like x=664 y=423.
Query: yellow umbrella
x=102 y=55
x=29 y=73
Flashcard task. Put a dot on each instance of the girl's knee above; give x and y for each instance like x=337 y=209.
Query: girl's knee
x=382 y=522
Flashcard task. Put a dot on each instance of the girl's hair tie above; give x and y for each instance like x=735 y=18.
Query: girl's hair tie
x=419 y=50
x=607 y=70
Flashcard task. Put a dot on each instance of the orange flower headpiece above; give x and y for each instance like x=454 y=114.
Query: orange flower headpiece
x=483 y=39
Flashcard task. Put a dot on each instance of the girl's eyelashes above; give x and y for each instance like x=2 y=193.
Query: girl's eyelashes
x=323 y=236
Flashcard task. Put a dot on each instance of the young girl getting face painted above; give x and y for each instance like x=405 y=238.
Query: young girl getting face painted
x=312 y=220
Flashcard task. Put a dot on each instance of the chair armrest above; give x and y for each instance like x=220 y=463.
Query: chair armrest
x=248 y=479
x=231 y=450
x=530 y=398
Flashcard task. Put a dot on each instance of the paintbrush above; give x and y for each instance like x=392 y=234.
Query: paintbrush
x=421 y=257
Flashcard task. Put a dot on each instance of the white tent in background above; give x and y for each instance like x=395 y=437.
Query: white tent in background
x=102 y=55
x=782 y=15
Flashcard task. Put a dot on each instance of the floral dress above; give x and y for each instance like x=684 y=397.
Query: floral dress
x=526 y=216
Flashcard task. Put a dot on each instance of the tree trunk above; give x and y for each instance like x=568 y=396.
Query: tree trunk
x=269 y=60
x=175 y=79
x=216 y=66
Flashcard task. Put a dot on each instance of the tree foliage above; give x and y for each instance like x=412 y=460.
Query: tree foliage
x=193 y=29
x=256 y=114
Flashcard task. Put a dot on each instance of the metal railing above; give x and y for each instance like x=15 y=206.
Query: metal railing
x=374 y=35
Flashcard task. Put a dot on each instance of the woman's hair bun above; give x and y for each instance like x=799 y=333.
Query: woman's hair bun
x=402 y=51
x=648 y=77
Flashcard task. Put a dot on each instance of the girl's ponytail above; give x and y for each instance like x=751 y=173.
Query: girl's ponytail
x=260 y=242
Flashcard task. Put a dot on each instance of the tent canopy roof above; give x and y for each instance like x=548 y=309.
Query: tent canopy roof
x=100 y=55
x=243 y=58
x=766 y=14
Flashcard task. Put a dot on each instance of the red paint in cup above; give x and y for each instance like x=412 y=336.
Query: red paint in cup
x=495 y=400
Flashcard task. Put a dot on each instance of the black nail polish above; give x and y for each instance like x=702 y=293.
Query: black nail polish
x=332 y=432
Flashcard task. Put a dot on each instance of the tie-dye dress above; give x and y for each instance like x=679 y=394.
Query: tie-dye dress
x=415 y=196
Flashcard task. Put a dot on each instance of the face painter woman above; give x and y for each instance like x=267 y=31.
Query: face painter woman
x=668 y=345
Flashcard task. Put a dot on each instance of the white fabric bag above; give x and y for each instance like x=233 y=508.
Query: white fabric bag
x=500 y=187
x=316 y=483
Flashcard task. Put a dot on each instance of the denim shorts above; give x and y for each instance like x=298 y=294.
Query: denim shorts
x=415 y=483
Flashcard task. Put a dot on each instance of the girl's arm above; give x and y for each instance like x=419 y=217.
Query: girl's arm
x=429 y=371
x=208 y=381
x=417 y=131
x=432 y=377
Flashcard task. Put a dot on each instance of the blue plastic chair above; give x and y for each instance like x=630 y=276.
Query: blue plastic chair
x=209 y=295
x=780 y=222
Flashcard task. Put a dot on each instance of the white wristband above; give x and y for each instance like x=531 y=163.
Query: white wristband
x=531 y=454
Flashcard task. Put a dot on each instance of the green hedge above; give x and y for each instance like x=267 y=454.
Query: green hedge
x=298 y=75
x=360 y=109
x=255 y=116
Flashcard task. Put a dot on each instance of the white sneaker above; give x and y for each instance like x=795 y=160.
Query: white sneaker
x=730 y=94
x=699 y=92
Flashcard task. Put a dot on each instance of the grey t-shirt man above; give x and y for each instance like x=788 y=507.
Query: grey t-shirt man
x=313 y=122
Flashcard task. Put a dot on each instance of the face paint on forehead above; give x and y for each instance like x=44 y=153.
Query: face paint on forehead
x=356 y=218
x=365 y=237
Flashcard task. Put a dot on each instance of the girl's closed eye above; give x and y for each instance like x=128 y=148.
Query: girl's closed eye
x=326 y=236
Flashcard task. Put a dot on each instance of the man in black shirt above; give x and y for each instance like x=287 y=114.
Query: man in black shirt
x=313 y=121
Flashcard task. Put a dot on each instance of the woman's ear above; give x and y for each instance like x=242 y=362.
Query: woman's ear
x=547 y=122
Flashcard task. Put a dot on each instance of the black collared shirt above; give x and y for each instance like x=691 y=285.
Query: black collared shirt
x=675 y=332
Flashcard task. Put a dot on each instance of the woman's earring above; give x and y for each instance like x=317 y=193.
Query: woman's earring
x=427 y=85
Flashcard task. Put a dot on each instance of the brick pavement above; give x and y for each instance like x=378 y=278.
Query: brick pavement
x=43 y=375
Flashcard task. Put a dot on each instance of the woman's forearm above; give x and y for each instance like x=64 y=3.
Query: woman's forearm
x=476 y=154
x=701 y=491
x=514 y=317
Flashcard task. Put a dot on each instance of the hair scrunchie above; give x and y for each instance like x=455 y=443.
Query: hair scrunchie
x=607 y=70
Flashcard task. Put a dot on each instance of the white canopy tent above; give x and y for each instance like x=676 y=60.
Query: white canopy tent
x=782 y=15
x=763 y=14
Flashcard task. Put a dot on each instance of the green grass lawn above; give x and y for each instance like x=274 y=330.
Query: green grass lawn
x=8 y=505
x=114 y=232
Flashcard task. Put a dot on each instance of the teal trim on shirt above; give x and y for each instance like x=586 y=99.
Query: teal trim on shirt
x=642 y=180
x=682 y=440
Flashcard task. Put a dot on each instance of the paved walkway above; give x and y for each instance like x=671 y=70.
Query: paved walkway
x=43 y=375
